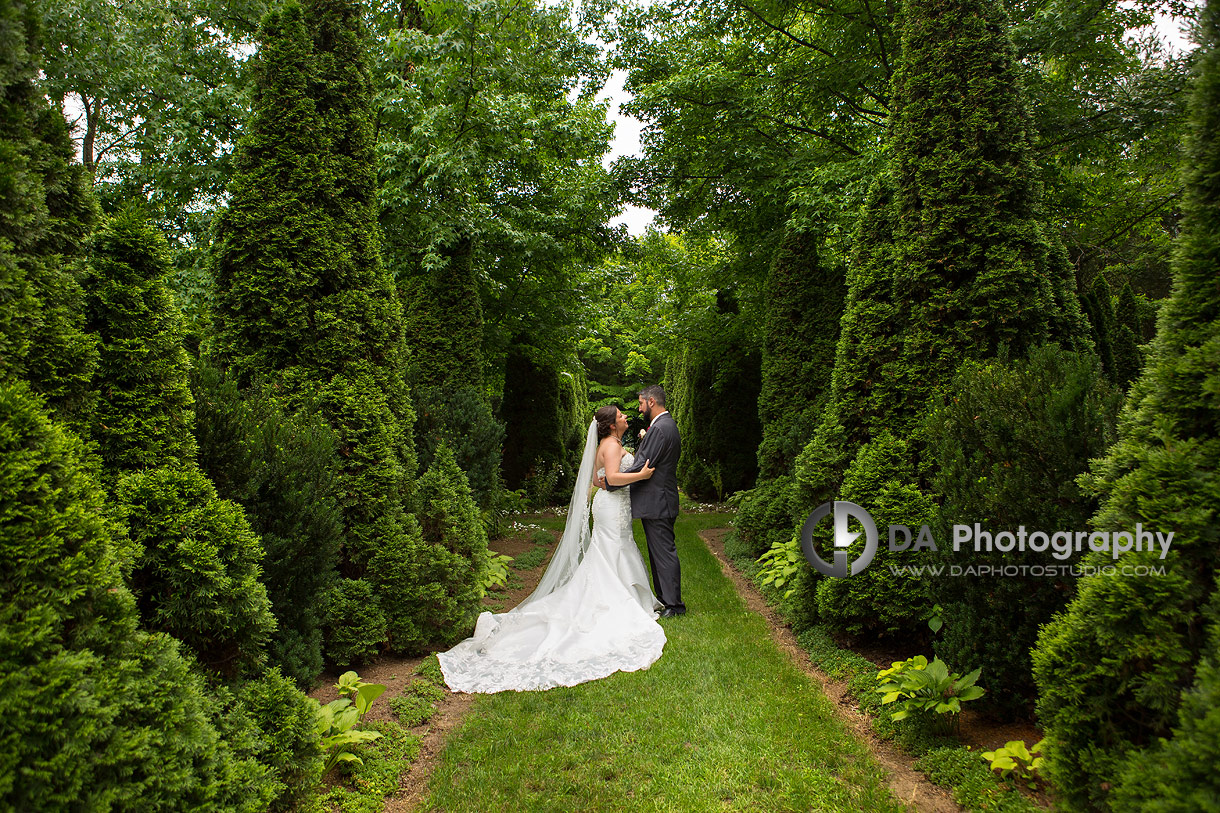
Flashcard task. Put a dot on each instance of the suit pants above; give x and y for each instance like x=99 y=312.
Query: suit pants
x=663 y=557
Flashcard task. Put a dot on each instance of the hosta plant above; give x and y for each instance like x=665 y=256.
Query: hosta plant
x=1015 y=760
x=927 y=689
x=337 y=719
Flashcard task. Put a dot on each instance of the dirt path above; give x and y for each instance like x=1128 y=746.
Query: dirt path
x=908 y=785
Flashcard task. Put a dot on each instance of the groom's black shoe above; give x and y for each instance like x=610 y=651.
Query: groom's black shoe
x=670 y=612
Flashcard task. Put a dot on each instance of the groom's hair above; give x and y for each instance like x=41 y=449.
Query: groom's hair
x=655 y=392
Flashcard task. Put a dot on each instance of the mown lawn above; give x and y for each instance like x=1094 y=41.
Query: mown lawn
x=723 y=721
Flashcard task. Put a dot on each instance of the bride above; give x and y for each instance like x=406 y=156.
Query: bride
x=593 y=613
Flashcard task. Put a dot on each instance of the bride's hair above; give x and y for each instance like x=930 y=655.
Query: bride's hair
x=606 y=418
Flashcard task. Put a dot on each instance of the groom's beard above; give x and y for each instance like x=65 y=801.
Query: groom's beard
x=647 y=414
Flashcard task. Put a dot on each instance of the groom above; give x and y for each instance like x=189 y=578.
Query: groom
x=654 y=502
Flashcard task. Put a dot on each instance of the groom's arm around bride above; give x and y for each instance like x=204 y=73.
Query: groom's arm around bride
x=655 y=501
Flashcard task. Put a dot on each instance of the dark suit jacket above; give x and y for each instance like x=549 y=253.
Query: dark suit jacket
x=656 y=497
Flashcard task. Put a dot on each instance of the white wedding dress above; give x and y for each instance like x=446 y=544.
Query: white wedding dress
x=593 y=613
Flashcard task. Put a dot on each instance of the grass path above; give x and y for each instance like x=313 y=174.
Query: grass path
x=723 y=721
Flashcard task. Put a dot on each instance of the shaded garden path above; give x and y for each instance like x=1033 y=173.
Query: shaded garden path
x=727 y=719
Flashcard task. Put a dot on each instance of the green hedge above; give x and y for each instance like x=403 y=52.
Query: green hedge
x=1004 y=445
x=94 y=713
x=198 y=572
x=281 y=468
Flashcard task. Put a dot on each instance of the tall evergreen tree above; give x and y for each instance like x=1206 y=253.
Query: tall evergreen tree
x=951 y=261
x=444 y=327
x=46 y=212
x=94 y=712
x=144 y=417
x=303 y=300
x=804 y=301
x=533 y=416
x=1127 y=360
x=971 y=256
x=198 y=565
x=1112 y=669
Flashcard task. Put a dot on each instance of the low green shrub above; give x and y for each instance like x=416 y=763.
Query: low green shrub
x=432 y=582
x=411 y=710
x=1015 y=761
x=356 y=624
x=430 y=669
x=530 y=559
x=376 y=776
x=287 y=724
x=766 y=515
x=336 y=721
x=878 y=601
x=918 y=688
x=198 y=576
x=1006 y=443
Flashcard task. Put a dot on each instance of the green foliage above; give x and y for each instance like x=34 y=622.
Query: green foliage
x=1015 y=760
x=766 y=515
x=541 y=419
x=325 y=323
x=1005 y=443
x=1111 y=670
x=336 y=721
x=779 y=565
x=198 y=573
x=974 y=787
x=1099 y=307
x=877 y=600
x=156 y=124
x=412 y=710
x=972 y=262
x=96 y=713
x=462 y=420
x=281 y=468
x=449 y=556
x=430 y=669
x=286 y=738
x=143 y=418
x=530 y=559
x=919 y=688
x=491 y=143
x=46 y=213
x=377 y=775
x=418 y=702
x=1127 y=358
x=712 y=388
x=1177 y=772
x=804 y=299
x=443 y=323
x=356 y=625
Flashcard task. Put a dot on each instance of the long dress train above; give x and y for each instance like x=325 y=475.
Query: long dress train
x=600 y=621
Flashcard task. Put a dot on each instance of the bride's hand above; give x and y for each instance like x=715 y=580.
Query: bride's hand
x=647 y=470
